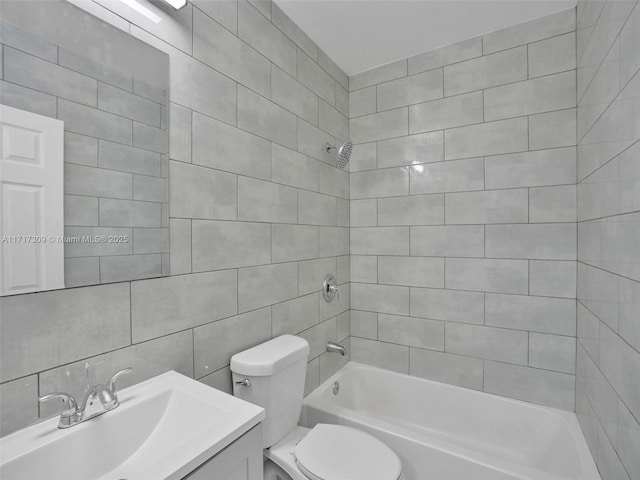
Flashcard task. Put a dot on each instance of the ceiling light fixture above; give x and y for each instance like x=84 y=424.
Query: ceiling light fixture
x=177 y=4
x=142 y=10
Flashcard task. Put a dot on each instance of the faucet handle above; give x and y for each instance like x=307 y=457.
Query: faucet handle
x=68 y=400
x=111 y=383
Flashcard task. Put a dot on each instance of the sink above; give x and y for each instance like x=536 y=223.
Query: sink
x=164 y=428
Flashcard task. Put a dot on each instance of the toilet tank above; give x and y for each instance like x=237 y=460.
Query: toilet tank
x=276 y=372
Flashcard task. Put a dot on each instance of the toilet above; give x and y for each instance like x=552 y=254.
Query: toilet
x=272 y=375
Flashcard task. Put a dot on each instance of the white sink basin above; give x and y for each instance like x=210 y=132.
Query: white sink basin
x=164 y=428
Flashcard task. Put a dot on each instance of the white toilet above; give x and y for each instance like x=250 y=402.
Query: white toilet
x=272 y=375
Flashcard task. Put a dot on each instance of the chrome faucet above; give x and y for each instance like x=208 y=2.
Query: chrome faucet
x=106 y=396
x=334 y=347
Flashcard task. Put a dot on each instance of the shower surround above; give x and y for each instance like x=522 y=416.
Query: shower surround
x=463 y=213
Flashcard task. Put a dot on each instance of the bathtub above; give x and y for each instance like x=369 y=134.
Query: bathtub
x=444 y=432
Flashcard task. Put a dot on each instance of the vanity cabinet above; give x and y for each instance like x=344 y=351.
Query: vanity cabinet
x=242 y=460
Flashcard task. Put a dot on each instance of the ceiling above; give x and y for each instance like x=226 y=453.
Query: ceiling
x=362 y=34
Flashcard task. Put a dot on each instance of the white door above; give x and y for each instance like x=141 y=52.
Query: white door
x=31 y=202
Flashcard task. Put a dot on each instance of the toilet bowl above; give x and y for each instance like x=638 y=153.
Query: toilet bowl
x=272 y=375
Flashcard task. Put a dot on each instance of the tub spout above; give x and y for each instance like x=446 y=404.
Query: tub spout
x=336 y=348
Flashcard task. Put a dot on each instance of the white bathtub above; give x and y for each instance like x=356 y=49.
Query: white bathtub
x=443 y=432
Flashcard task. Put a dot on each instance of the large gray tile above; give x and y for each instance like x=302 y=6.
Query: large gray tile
x=454 y=53
x=293 y=242
x=19 y=407
x=215 y=343
x=319 y=335
x=364 y=213
x=553 y=129
x=628 y=440
x=531 y=169
x=544 y=94
x=237 y=244
x=380 y=298
x=449 y=112
x=315 y=78
x=491 y=138
x=180 y=133
x=121 y=102
x=364 y=268
x=28 y=99
x=333 y=69
x=225 y=12
x=287 y=92
x=452 y=176
x=99 y=316
x=81 y=271
x=150 y=189
x=550 y=241
x=292 y=168
x=495 y=206
x=552 y=278
x=130 y=267
x=293 y=31
x=128 y=213
x=313 y=142
x=411 y=271
x=333 y=181
x=115 y=156
x=262 y=35
x=487 y=275
x=225 y=52
x=266 y=202
x=364 y=324
x=80 y=149
x=150 y=138
x=266 y=285
x=179 y=246
x=31 y=43
x=89 y=181
x=48 y=77
x=311 y=274
x=166 y=305
x=362 y=102
x=218 y=145
x=486 y=342
x=378 y=126
x=332 y=121
x=553 y=204
x=378 y=75
x=258 y=115
x=487 y=71
x=411 y=210
x=342 y=100
x=446 y=368
x=423 y=148
x=530 y=384
x=552 y=55
x=294 y=316
x=80 y=210
x=409 y=90
x=333 y=241
x=538 y=29
x=388 y=182
x=380 y=241
x=536 y=314
x=88 y=121
x=198 y=192
x=379 y=354
x=449 y=305
x=316 y=209
x=363 y=157
x=448 y=241
x=411 y=331
x=552 y=352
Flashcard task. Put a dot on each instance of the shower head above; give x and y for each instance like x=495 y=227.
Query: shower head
x=344 y=153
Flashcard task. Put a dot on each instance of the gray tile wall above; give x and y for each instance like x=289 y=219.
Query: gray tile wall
x=463 y=213
x=608 y=368
x=116 y=143
x=258 y=213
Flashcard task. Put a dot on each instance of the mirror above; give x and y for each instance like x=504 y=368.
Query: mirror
x=114 y=106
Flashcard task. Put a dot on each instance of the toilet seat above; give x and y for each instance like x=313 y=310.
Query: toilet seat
x=330 y=452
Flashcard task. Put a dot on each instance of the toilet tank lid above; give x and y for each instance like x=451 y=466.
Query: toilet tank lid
x=270 y=357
